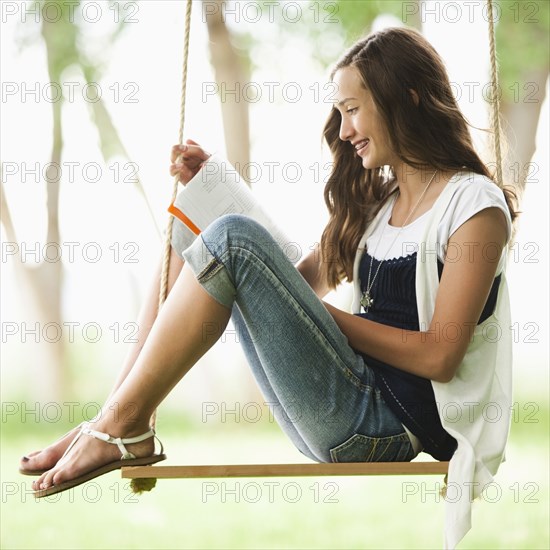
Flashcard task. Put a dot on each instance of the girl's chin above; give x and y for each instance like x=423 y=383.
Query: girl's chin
x=367 y=164
x=370 y=164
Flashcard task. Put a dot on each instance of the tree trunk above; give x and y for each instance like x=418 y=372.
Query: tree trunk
x=230 y=76
x=44 y=283
x=47 y=280
x=521 y=117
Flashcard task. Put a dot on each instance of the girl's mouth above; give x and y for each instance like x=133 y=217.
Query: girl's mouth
x=361 y=147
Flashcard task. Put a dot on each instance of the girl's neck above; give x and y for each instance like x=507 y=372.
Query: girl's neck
x=412 y=179
x=417 y=188
x=412 y=182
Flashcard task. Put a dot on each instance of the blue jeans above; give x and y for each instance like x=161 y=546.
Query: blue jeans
x=320 y=390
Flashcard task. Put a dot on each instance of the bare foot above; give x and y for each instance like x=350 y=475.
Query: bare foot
x=88 y=455
x=41 y=461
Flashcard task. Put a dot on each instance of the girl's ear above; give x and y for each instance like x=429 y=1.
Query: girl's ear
x=414 y=96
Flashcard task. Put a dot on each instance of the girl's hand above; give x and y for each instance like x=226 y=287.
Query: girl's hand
x=191 y=159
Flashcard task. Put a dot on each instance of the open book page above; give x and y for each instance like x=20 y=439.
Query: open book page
x=218 y=189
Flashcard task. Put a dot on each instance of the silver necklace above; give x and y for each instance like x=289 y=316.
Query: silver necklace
x=366 y=298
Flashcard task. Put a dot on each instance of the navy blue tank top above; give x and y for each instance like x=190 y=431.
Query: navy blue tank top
x=410 y=397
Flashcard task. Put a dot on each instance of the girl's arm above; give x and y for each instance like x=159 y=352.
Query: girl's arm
x=463 y=291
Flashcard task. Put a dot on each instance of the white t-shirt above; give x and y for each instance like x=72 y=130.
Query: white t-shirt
x=473 y=194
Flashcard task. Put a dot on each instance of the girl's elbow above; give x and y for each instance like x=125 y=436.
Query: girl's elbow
x=445 y=369
x=444 y=376
x=444 y=358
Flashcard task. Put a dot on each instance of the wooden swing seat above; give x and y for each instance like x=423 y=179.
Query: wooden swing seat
x=287 y=470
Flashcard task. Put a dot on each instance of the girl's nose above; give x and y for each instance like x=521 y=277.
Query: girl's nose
x=346 y=129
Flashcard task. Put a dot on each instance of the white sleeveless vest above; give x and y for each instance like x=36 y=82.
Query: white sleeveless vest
x=475 y=406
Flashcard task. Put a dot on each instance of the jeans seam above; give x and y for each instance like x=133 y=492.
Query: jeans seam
x=210 y=270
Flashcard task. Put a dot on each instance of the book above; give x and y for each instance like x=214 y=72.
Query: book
x=218 y=189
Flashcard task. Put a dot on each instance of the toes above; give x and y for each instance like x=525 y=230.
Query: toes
x=46 y=481
x=59 y=477
x=27 y=461
x=37 y=461
x=37 y=484
x=32 y=455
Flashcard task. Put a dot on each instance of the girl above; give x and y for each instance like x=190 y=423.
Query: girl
x=418 y=226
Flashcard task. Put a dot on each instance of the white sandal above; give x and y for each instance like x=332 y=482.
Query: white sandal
x=127 y=459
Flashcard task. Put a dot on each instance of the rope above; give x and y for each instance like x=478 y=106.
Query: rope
x=168 y=237
x=168 y=234
x=495 y=114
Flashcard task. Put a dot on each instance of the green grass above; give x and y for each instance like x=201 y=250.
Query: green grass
x=374 y=512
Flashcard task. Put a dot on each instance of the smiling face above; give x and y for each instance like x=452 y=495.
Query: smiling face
x=361 y=123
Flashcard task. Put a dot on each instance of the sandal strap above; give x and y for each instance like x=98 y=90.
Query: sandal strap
x=71 y=444
x=119 y=441
x=82 y=426
x=160 y=442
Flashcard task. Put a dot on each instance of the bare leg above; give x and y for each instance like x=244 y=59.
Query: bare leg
x=48 y=457
x=176 y=341
x=148 y=315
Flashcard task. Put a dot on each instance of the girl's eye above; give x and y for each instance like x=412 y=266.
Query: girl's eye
x=351 y=111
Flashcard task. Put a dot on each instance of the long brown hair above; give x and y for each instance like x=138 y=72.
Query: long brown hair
x=390 y=63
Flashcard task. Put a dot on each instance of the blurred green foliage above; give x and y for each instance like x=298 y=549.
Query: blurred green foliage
x=66 y=35
x=522 y=31
x=356 y=17
x=522 y=41
x=327 y=25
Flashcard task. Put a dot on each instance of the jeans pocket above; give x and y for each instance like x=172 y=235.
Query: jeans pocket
x=362 y=448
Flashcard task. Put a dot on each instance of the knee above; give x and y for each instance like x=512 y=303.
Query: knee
x=237 y=224
x=236 y=229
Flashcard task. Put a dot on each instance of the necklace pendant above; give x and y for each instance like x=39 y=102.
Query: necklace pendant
x=366 y=301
